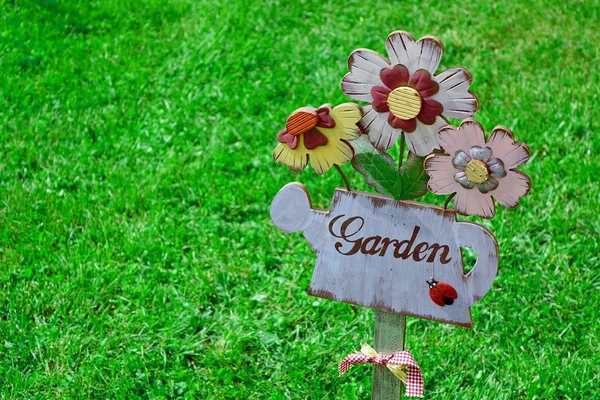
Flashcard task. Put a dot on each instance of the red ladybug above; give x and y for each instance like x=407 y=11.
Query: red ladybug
x=441 y=293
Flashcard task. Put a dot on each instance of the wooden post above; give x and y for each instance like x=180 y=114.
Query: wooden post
x=390 y=330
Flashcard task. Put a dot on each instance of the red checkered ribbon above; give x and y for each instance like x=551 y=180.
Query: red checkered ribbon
x=396 y=362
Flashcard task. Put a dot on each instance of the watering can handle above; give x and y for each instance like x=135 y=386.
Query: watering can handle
x=481 y=277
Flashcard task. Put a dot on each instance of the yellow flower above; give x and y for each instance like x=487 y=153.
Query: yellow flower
x=318 y=135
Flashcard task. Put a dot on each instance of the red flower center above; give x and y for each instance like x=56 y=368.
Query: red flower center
x=406 y=98
x=305 y=121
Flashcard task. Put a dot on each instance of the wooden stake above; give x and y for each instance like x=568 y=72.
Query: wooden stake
x=390 y=330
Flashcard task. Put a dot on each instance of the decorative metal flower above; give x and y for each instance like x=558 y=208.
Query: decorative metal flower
x=405 y=96
x=478 y=171
x=319 y=135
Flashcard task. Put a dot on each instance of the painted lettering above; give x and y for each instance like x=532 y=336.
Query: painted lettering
x=348 y=230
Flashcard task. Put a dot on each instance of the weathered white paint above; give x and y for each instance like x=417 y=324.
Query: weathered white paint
x=386 y=282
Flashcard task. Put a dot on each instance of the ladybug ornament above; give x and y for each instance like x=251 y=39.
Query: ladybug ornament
x=441 y=294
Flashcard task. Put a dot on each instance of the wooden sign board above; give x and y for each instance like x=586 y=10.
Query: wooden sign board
x=382 y=253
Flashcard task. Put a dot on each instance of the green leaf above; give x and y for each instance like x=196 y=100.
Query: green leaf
x=380 y=171
x=414 y=178
x=377 y=167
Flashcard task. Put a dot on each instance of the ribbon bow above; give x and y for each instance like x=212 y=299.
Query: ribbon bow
x=396 y=362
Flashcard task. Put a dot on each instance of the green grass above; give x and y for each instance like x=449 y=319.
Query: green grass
x=137 y=257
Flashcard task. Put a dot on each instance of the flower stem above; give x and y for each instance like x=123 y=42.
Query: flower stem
x=402 y=140
x=343 y=177
x=448 y=200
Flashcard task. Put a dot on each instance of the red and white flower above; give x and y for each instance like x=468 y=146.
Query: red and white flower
x=404 y=93
x=478 y=171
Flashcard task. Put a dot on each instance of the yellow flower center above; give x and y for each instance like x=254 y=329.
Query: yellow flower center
x=404 y=102
x=301 y=121
x=476 y=171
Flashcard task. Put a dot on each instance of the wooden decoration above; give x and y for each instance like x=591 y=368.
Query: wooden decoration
x=386 y=254
x=404 y=93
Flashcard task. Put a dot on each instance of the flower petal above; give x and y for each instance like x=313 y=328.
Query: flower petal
x=381 y=133
x=460 y=160
x=430 y=109
x=470 y=133
x=314 y=138
x=296 y=160
x=336 y=152
x=480 y=153
x=461 y=178
x=380 y=96
x=439 y=168
x=496 y=168
x=346 y=117
x=365 y=66
x=284 y=137
x=454 y=93
x=325 y=120
x=488 y=185
x=511 y=188
x=423 y=140
x=394 y=77
x=421 y=81
x=407 y=125
x=423 y=54
x=472 y=202
x=504 y=147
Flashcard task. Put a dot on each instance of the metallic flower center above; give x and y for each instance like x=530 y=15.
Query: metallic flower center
x=476 y=171
x=301 y=121
x=404 y=102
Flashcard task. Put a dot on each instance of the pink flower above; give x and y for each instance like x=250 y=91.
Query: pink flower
x=404 y=94
x=478 y=171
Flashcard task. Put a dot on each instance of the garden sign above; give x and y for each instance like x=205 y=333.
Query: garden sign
x=386 y=251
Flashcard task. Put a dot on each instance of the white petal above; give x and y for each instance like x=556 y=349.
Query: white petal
x=454 y=93
x=423 y=140
x=423 y=54
x=365 y=66
x=381 y=134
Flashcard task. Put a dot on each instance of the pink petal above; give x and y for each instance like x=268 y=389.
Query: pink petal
x=504 y=147
x=439 y=168
x=511 y=188
x=429 y=110
x=425 y=53
x=470 y=133
x=407 y=125
x=394 y=77
x=421 y=81
x=380 y=96
x=473 y=202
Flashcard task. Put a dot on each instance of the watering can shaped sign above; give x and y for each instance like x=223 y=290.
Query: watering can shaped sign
x=392 y=255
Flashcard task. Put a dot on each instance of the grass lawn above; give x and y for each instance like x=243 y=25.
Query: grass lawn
x=137 y=256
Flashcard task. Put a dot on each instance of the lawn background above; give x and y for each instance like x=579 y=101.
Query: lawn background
x=137 y=257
